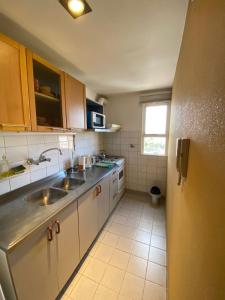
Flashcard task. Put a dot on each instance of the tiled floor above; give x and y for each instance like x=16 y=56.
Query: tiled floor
x=128 y=261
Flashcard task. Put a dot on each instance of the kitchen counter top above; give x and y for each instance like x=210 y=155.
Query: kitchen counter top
x=19 y=218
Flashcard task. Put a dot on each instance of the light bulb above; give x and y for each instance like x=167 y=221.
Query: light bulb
x=76 y=7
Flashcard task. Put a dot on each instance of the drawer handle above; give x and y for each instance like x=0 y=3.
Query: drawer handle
x=50 y=234
x=57 y=226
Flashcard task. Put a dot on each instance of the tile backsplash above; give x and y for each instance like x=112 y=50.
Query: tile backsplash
x=142 y=171
x=19 y=147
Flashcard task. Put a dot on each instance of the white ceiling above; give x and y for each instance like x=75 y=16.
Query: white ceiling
x=122 y=46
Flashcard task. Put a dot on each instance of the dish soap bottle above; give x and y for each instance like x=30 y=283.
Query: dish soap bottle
x=4 y=167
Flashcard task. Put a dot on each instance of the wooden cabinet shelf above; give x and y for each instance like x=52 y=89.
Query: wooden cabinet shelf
x=46 y=97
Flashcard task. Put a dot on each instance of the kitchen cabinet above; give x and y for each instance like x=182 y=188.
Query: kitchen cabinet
x=33 y=267
x=93 y=211
x=14 y=100
x=47 y=95
x=75 y=103
x=88 y=219
x=113 y=190
x=103 y=201
x=42 y=264
x=67 y=243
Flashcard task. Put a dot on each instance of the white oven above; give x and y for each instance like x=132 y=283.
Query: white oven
x=121 y=178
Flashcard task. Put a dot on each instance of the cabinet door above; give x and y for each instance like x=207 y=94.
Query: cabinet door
x=67 y=243
x=46 y=92
x=103 y=201
x=75 y=103
x=14 y=101
x=33 y=268
x=88 y=220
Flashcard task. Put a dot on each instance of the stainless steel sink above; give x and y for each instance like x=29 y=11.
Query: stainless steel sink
x=68 y=183
x=46 y=196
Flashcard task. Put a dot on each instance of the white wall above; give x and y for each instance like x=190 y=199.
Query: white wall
x=19 y=147
x=142 y=171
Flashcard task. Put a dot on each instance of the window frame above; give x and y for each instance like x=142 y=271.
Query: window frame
x=166 y=135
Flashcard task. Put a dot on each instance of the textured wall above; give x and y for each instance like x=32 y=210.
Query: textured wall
x=196 y=210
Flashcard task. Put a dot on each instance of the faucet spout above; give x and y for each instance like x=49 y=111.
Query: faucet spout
x=42 y=157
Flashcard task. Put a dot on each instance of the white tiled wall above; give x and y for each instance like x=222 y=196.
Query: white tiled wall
x=19 y=147
x=142 y=171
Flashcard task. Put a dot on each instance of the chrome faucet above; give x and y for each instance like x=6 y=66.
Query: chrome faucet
x=42 y=158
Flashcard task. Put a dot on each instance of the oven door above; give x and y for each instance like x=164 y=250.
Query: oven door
x=121 y=178
x=98 y=120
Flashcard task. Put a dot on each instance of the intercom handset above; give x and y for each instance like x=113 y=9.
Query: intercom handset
x=182 y=152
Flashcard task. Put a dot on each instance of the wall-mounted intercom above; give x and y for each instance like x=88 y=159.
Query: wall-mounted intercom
x=182 y=152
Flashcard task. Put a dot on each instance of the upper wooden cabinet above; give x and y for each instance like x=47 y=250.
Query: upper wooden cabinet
x=75 y=103
x=14 y=100
x=46 y=92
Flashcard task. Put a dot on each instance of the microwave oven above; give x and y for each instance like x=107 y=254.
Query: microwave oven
x=95 y=120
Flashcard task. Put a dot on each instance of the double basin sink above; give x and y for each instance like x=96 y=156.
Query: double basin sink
x=50 y=195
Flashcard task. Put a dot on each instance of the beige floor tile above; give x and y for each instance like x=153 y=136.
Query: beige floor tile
x=119 y=259
x=159 y=230
x=119 y=219
x=85 y=289
x=73 y=284
x=95 y=269
x=143 y=236
x=137 y=266
x=156 y=274
x=154 y=291
x=125 y=244
x=140 y=250
x=84 y=265
x=101 y=236
x=104 y=252
x=110 y=239
x=157 y=256
x=113 y=278
x=104 y=293
x=132 y=287
x=158 y=242
x=94 y=249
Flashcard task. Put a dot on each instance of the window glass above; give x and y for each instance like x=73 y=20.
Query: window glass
x=155 y=119
x=155 y=145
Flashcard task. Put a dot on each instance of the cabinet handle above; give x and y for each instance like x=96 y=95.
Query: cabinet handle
x=100 y=189
x=14 y=125
x=50 y=234
x=96 y=191
x=57 y=226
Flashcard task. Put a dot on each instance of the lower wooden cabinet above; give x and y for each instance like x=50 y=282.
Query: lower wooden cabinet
x=42 y=264
x=67 y=243
x=88 y=219
x=103 y=201
x=93 y=211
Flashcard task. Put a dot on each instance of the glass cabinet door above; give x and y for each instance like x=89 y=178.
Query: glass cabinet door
x=46 y=87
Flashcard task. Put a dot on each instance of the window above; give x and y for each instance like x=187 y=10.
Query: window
x=155 y=128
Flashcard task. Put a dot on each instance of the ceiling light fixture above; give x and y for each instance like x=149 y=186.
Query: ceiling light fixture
x=76 y=8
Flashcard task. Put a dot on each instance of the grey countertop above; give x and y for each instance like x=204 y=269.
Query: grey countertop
x=18 y=218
